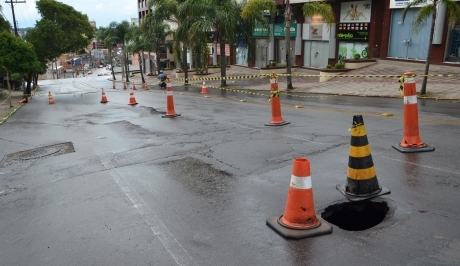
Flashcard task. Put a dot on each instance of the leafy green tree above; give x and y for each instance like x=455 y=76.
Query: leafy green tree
x=76 y=30
x=104 y=34
x=16 y=55
x=4 y=24
x=221 y=16
x=254 y=7
x=137 y=43
x=155 y=31
x=120 y=31
x=169 y=10
x=420 y=19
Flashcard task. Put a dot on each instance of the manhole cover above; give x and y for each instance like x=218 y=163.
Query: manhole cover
x=37 y=153
x=356 y=216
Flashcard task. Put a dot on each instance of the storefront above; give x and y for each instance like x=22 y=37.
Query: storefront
x=452 y=53
x=404 y=43
x=262 y=46
x=316 y=36
x=353 y=29
x=279 y=32
x=242 y=53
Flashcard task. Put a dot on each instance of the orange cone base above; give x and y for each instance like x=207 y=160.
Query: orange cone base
x=104 y=101
x=24 y=100
x=132 y=103
x=278 y=124
x=355 y=197
x=413 y=149
x=170 y=116
x=290 y=233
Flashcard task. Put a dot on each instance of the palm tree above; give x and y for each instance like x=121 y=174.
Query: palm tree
x=136 y=45
x=104 y=34
x=155 y=31
x=255 y=7
x=422 y=15
x=169 y=11
x=120 y=31
x=219 y=16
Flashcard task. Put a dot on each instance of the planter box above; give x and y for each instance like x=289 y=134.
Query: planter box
x=213 y=70
x=324 y=73
x=354 y=64
x=182 y=74
x=277 y=70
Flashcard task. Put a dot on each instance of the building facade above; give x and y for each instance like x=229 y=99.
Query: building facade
x=370 y=28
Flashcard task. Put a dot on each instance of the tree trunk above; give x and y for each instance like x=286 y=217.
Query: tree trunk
x=140 y=66
x=126 y=67
x=428 y=56
x=57 y=73
x=111 y=64
x=9 y=86
x=223 y=62
x=288 y=44
x=184 y=58
x=28 y=90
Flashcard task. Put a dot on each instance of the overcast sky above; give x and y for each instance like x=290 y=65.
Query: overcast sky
x=101 y=11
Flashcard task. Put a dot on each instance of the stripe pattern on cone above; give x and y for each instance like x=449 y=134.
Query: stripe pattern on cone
x=104 y=97
x=170 y=112
x=362 y=180
x=277 y=119
x=299 y=219
x=411 y=141
x=132 y=99
x=50 y=98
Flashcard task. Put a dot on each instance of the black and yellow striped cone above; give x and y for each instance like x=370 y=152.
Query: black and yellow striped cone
x=362 y=181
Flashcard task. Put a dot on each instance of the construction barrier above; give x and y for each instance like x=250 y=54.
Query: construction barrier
x=362 y=183
x=50 y=98
x=170 y=112
x=204 y=90
x=277 y=119
x=299 y=219
x=132 y=99
x=411 y=141
x=104 y=97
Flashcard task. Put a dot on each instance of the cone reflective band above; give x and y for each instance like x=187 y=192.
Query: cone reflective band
x=362 y=180
x=411 y=141
x=277 y=119
x=104 y=98
x=204 y=90
x=299 y=219
x=170 y=112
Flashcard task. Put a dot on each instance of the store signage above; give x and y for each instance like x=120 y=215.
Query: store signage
x=353 y=32
x=260 y=31
x=279 y=30
x=404 y=3
x=316 y=31
x=355 y=11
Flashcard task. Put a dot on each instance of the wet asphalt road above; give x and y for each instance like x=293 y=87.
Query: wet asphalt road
x=197 y=189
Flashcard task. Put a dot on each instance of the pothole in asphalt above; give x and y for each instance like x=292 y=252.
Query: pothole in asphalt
x=37 y=153
x=356 y=216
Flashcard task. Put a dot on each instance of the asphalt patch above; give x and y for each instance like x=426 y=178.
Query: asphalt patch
x=37 y=153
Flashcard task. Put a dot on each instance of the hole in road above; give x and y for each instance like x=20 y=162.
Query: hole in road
x=356 y=216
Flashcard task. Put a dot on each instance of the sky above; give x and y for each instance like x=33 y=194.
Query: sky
x=101 y=11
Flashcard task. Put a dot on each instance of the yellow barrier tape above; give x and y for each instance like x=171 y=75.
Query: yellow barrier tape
x=273 y=94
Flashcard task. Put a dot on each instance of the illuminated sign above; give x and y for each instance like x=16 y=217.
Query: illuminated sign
x=353 y=31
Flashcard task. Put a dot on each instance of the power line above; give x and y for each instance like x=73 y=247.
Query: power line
x=11 y=2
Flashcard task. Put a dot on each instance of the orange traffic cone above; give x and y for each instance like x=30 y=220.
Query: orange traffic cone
x=134 y=86
x=146 y=87
x=132 y=99
x=276 y=120
x=124 y=85
x=204 y=90
x=299 y=219
x=170 y=112
x=362 y=181
x=113 y=85
x=24 y=100
x=104 y=98
x=50 y=98
x=411 y=141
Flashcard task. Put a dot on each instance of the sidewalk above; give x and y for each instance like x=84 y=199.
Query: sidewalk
x=437 y=87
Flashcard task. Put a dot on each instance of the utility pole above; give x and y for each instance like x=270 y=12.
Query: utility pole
x=11 y=2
